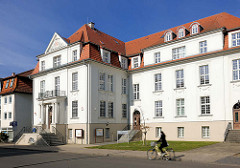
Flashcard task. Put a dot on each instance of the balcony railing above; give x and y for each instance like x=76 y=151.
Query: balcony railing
x=51 y=94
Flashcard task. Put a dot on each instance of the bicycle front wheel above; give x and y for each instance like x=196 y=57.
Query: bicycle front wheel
x=152 y=154
x=171 y=154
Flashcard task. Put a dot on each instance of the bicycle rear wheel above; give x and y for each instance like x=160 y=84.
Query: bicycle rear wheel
x=171 y=154
x=152 y=154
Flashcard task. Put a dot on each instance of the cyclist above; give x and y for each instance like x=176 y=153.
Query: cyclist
x=164 y=142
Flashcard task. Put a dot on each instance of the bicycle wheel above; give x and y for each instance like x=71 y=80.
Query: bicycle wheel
x=152 y=154
x=171 y=154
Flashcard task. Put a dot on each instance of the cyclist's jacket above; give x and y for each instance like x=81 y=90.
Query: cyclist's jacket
x=163 y=140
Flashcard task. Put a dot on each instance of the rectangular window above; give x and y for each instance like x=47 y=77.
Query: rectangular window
x=180 y=132
x=158 y=108
x=9 y=115
x=74 y=109
x=158 y=132
x=205 y=105
x=5 y=116
x=75 y=81
x=205 y=132
x=136 y=95
x=101 y=81
x=236 y=69
x=124 y=110
x=158 y=82
x=178 y=53
x=235 y=39
x=180 y=107
x=42 y=65
x=124 y=63
x=106 y=57
x=124 y=86
x=5 y=100
x=11 y=84
x=70 y=133
x=74 y=55
x=135 y=62
x=107 y=133
x=157 y=57
x=203 y=47
x=110 y=83
x=179 y=79
x=57 y=86
x=42 y=86
x=10 y=99
x=102 y=109
x=56 y=61
x=110 y=109
x=7 y=84
x=204 y=75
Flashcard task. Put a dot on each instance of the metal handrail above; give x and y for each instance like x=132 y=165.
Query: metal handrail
x=59 y=134
x=229 y=127
x=21 y=132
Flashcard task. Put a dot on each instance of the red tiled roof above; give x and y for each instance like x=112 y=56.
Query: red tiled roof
x=209 y=23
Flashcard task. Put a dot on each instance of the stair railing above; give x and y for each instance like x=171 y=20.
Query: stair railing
x=59 y=134
x=229 y=127
x=42 y=131
x=21 y=132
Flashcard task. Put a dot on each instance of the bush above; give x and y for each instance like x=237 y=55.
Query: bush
x=3 y=137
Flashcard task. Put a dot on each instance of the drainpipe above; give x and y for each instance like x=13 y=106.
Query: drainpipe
x=88 y=102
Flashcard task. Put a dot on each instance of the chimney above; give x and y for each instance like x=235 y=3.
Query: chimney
x=91 y=25
x=13 y=74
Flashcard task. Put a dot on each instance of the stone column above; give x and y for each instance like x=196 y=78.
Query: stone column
x=54 y=113
x=46 y=118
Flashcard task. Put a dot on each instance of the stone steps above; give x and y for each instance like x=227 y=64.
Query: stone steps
x=233 y=136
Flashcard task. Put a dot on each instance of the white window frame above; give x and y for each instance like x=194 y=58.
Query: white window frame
x=74 y=55
x=180 y=78
x=101 y=81
x=180 y=131
x=110 y=83
x=180 y=107
x=205 y=132
x=107 y=133
x=204 y=74
x=5 y=100
x=158 y=82
x=106 y=56
x=236 y=69
x=75 y=81
x=158 y=108
x=124 y=62
x=110 y=109
x=70 y=133
x=75 y=109
x=136 y=93
x=42 y=86
x=124 y=110
x=168 y=36
x=135 y=62
x=7 y=84
x=205 y=105
x=181 y=32
x=56 y=61
x=203 y=46
x=10 y=99
x=42 y=65
x=102 y=108
x=5 y=115
x=235 y=39
x=158 y=132
x=57 y=83
x=179 y=52
x=157 y=57
x=12 y=81
x=9 y=115
x=195 y=28
x=124 y=86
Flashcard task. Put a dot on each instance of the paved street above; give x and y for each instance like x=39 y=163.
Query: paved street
x=16 y=158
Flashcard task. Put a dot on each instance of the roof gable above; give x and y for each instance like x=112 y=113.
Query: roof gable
x=56 y=43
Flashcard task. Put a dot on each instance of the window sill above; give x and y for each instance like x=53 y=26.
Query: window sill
x=74 y=91
x=181 y=116
x=205 y=137
x=203 y=85
x=205 y=115
x=74 y=118
x=181 y=88
x=158 y=91
x=158 y=117
x=136 y=99
x=235 y=81
x=106 y=118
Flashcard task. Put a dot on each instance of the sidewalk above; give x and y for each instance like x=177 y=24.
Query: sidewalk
x=224 y=153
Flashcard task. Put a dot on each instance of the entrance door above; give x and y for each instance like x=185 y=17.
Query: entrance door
x=136 y=120
x=49 y=116
x=236 y=116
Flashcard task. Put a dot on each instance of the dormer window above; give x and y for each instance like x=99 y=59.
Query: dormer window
x=136 y=62
x=7 y=84
x=235 y=39
x=181 y=33
x=106 y=56
x=168 y=36
x=11 y=84
x=195 y=29
x=124 y=62
x=56 y=61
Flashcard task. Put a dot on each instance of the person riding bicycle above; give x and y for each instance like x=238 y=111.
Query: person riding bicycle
x=164 y=142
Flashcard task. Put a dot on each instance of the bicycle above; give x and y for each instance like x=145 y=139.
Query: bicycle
x=155 y=151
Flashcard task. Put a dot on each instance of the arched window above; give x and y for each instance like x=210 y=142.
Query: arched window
x=181 y=33
x=195 y=29
x=168 y=36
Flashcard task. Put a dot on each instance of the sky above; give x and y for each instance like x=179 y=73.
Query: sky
x=27 y=26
